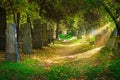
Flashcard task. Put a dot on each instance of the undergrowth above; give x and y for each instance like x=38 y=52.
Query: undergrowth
x=108 y=68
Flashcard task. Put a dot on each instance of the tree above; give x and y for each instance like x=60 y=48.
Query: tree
x=12 y=7
x=55 y=12
x=2 y=28
x=113 y=10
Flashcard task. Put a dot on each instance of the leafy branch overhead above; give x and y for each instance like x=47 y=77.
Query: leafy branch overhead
x=58 y=10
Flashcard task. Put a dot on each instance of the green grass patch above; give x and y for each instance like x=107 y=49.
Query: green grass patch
x=26 y=71
x=107 y=68
x=63 y=73
x=19 y=71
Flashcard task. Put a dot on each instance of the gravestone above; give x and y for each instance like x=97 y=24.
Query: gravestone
x=50 y=35
x=50 y=32
x=27 y=40
x=11 y=43
x=44 y=34
x=40 y=34
x=37 y=35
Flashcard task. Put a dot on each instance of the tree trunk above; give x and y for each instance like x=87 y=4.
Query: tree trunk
x=41 y=5
x=2 y=28
x=28 y=18
x=27 y=40
x=118 y=27
x=18 y=24
x=117 y=23
x=57 y=30
x=29 y=21
x=87 y=34
x=16 y=19
x=118 y=39
x=79 y=35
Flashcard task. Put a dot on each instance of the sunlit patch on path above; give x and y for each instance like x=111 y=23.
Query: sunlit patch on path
x=69 y=58
x=68 y=53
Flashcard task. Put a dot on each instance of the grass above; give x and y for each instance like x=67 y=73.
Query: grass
x=101 y=66
x=25 y=71
x=19 y=71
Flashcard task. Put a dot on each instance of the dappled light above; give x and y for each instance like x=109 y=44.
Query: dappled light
x=101 y=29
x=66 y=53
x=78 y=56
x=59 y=40
x=105 y=34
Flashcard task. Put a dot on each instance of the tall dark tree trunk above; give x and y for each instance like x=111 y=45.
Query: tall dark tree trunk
x=118 y=27
x=2 y=28
x=117 y=23
x=16 y=19
x=28 y=18
x=57 y=30
x=29 y=21
x=18 y=24
x=41 y=5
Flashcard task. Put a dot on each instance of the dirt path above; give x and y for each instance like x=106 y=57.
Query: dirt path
x=68 y=53
x=61 y=53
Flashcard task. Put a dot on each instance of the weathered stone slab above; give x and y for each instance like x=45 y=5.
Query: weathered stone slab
x=50 y=35
x=37 y=35
x=27 y=40
x=11 y=43
x=44 y=34
x=40 y=34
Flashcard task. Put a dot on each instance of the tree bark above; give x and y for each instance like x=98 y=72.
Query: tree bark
x=117 y=22
x=18 y=24
x=2 y=28
x=16 y=19
x=57 y=30
x=28 y=18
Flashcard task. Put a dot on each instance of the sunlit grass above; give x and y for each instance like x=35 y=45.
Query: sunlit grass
x=100 y=66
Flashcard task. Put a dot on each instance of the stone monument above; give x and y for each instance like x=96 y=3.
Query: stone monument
x=11 y=43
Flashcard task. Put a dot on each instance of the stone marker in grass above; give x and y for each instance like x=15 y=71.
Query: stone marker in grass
x=37 y=35
x=27 y=40
x=11 y=43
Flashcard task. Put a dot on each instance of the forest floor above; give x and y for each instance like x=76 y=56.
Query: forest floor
x=65 y=52
x=70 y=60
